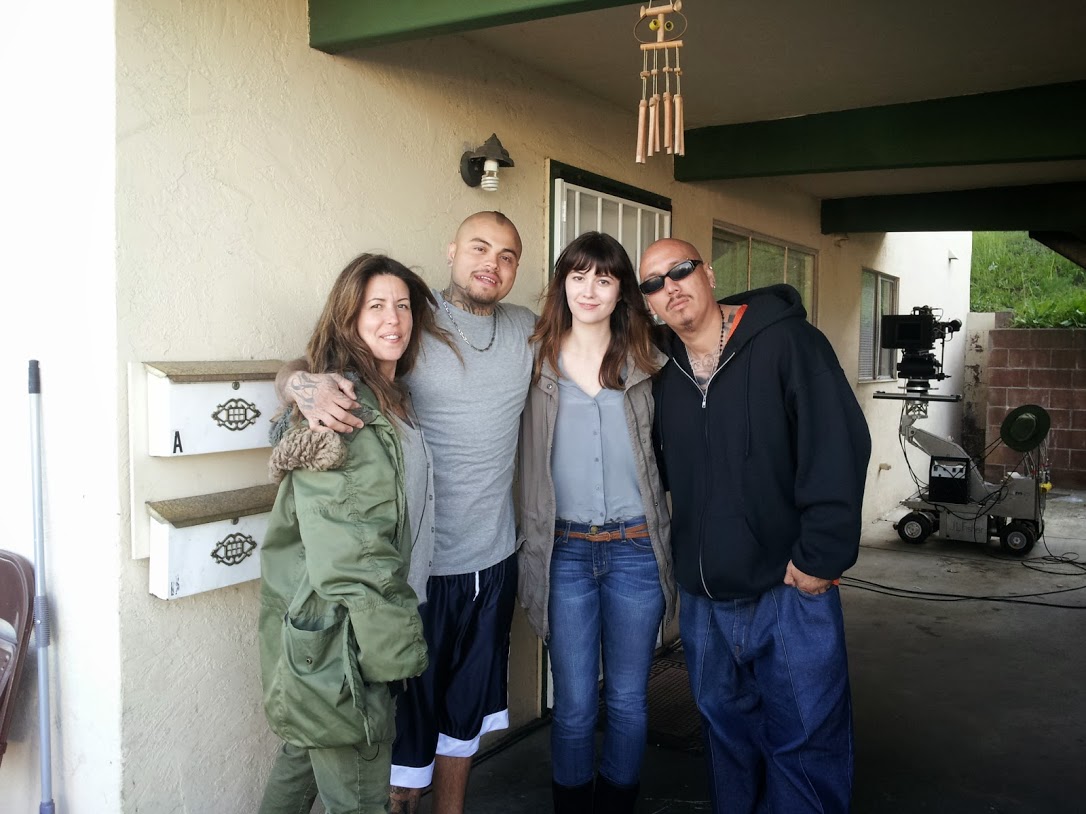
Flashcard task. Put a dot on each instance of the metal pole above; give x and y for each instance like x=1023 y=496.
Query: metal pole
x=41 y=603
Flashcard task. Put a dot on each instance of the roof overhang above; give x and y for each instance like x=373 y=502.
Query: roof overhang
x=894 y=118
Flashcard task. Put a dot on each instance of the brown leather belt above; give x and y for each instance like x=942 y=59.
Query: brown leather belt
x=640 y=530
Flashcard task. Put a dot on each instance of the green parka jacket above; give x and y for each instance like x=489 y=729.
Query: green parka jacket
x=536 y=490
x=337 y=618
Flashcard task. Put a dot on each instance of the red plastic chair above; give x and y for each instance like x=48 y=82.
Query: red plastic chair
x=16 y=621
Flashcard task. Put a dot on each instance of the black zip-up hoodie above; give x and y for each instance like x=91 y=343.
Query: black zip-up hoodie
x=770 y=465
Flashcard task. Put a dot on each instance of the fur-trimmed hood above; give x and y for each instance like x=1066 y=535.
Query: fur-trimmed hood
x=303 y=448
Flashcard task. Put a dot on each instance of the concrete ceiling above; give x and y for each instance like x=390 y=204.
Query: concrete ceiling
x=756 y=60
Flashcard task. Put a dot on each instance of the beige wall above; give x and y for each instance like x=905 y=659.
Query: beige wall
x=249 y=170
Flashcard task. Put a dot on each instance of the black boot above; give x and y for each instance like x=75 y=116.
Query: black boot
x=613 y=799
x=572 y=799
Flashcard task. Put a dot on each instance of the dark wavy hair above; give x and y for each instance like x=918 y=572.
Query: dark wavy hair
x=631 y=326
x=336 y=347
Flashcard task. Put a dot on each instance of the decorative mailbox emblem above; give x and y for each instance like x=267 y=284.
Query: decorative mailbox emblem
x=233 y=548
x=236 y=414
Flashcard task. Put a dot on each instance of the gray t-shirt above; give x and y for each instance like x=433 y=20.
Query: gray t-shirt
x=470 y=413
x=418 y=485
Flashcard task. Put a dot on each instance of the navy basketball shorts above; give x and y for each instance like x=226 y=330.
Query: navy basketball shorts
x=463 y=693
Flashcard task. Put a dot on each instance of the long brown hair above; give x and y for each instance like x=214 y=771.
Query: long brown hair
x=631 y=326
x=336 y=347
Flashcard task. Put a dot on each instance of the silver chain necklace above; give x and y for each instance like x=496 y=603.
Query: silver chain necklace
x=493 y=327
x=724 y=324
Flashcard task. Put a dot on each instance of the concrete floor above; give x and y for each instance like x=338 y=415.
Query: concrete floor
x=961 y=707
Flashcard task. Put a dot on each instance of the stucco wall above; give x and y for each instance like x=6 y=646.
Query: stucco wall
x=249 y=170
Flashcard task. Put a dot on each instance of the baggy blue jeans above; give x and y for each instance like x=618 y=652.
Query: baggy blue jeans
x=769 y=675
x=601 y=593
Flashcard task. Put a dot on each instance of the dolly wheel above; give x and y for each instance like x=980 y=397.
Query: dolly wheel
x=1018 y=537
x=914 y=528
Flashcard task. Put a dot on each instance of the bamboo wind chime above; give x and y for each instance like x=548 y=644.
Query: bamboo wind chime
x=662 y=37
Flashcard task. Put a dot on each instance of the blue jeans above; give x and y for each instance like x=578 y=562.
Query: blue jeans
x=769 y=675
x=609 y=593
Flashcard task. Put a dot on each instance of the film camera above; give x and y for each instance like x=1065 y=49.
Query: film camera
x=957 y=503
x=915 y=335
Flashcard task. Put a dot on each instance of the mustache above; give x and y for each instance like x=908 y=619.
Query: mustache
x=677 y=299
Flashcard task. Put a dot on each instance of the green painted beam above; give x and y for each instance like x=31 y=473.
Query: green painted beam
x=1041 y=207
x=340 y=25
x=1044 y=123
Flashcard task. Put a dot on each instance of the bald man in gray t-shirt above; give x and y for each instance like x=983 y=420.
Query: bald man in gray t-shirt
x=470 y=412
x=469 y=403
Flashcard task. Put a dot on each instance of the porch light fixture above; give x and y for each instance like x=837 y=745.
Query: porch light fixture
x=479 y=167
x=950 y=256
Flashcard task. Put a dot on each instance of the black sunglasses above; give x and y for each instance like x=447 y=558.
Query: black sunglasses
x=679 y=272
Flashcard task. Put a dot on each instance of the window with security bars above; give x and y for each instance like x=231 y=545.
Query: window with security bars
x=878 y=296
x=744 y=260
x=580 y=209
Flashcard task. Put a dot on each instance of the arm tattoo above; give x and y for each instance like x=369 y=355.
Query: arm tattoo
x=403 y=800
x=304 y=389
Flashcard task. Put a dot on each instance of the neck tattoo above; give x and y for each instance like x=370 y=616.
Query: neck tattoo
x=703 y=367
x=493 y=327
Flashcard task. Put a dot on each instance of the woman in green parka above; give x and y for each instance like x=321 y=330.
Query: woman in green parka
x=339 y=621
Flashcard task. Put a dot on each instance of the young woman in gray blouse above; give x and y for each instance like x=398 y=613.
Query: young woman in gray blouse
x=595 y=565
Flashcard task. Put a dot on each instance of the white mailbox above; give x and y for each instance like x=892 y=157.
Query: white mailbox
x=200 y=407
x=206 y=542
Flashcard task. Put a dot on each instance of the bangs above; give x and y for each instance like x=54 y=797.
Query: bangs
x=599 y=252
x=597 y=268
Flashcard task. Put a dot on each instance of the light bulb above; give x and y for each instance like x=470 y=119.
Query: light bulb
x=490 y=175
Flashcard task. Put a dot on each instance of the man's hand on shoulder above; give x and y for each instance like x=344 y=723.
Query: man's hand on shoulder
x=325 y=399
x=805 y=582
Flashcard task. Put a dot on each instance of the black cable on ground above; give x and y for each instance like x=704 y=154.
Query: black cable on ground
x=936 y=596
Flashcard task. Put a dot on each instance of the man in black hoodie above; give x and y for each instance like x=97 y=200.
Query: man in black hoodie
x=764 y=450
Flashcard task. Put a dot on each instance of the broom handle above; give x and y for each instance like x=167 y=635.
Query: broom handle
x=41 y=604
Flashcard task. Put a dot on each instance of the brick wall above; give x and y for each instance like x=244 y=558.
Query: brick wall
x=1045 y=367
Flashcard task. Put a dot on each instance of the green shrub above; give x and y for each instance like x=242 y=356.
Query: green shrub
x=1067 y=310
x=1012 y=272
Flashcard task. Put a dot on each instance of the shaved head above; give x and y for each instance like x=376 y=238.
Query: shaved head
x=494 y=218
x=668 y=247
